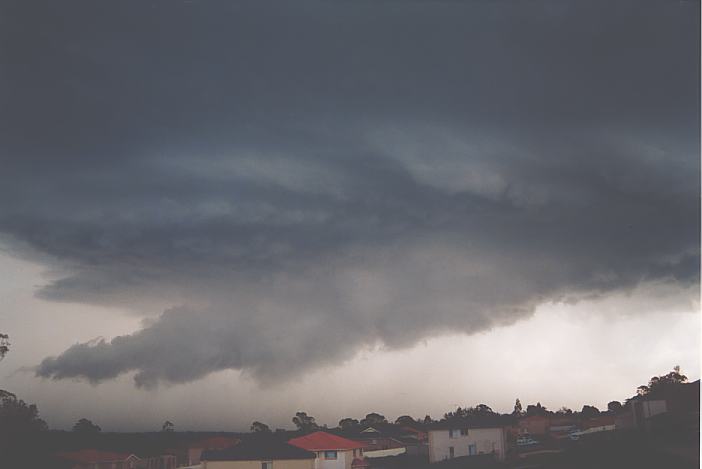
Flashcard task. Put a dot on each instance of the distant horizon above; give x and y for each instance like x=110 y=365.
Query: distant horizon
x=390 y=419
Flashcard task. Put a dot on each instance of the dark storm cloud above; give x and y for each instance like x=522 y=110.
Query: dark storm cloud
x=292 y=181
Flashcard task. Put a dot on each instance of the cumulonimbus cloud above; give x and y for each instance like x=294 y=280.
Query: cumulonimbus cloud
x=287 y=200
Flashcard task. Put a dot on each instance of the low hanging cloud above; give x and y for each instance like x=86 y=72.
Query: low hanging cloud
x=288 y=199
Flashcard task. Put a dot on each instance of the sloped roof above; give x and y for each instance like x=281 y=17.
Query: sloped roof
x=321 y=441
x=259 y=449
x=487 y=421
x=93 y=456
x=215 y=442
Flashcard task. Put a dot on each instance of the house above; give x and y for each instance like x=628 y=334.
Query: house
x=560 y=426
x=387 y=439
x=195 y=449
x=333 y=451
x=466 y=437
x=94 y=459
x=259 y=453
x=416 y=432
x=164 y=461
x=674 y=406
x=534 y=425
x=601 y=423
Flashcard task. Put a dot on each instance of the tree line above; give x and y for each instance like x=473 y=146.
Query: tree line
x=17 y=418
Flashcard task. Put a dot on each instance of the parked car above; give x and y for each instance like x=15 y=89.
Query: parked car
x=574 y=435
x=526 y=441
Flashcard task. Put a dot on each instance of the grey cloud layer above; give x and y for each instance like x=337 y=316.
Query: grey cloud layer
x=291 y=182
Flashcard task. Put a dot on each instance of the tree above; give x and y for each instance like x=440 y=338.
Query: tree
x=517 y=408
x=481 y=410
x=589 y=411
x=564 y=411
x=17 y=417
x=348 y=423
x=614 y=406
x=373 y=418
x=537 y=409
x=427 y=419
x=405 y=420
x=305 y=422
x=258 y=427
x=459 y=413
x=86 y=427
x=167 y=426
x=4 y=345
x=658 y=383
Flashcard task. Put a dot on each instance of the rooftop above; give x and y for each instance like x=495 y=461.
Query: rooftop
x=92 y=456
x=320 y=441
x=215 y=442
x=258 y=449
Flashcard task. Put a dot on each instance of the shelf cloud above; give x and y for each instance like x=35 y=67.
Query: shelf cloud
x=277 y=186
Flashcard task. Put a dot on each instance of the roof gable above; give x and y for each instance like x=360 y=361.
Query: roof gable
x=260 y=449
x=321 y=441
x=94 y=456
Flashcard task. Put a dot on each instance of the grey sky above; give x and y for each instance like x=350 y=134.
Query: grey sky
x=277 y=186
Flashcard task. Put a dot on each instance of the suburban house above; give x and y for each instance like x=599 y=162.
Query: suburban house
x=417 y=432
x=163 y=461
x=448 y=440
x=601 y=423
x=194 y=450
x=94 y=459
x=534 y=425
x=670 y=408
x=387 y=439
x=560 y=426
x=259 y=453
x=333 y=451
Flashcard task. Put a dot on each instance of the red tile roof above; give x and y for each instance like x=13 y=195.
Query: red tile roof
x=323 y=441
x=92 y=456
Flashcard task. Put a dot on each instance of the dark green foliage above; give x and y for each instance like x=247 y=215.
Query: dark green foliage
x=373 y=418
x=589 y=411
x=614 y=406
x=658 y=384
x=348 y=423
x=258 y=427
x=4 y=345
x=304 y=422
x=405 y=420
x=86 y=427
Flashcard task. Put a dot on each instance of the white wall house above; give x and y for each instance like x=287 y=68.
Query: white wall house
x=452 y=443
x=333 y=451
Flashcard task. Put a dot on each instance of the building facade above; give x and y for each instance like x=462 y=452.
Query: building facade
x=94 y=459
x=332 y=451
x=452 y=442
x=259 y=453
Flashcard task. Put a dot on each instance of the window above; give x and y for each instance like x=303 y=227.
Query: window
x=267 y=465
x=464 y=431
x=451 y=452
x=450 y=433
x=328 y=455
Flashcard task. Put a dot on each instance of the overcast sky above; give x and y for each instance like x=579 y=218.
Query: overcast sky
x=217 y=211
